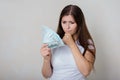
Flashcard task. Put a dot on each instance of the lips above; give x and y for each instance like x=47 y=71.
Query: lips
x=68 y=31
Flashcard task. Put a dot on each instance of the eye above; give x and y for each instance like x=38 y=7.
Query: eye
x=71 y=22
x=63 y=22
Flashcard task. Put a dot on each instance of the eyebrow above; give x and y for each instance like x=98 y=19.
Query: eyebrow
x=68 y=21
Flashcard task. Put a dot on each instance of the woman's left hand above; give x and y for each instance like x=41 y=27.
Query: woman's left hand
x=68 y=39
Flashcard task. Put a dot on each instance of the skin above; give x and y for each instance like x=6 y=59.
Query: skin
x=69 y=27
x=46 y=53
x=84 y=63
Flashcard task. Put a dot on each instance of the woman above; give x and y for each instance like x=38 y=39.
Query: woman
x=75 y=60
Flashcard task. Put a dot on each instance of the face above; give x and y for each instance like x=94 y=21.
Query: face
x=69 y=25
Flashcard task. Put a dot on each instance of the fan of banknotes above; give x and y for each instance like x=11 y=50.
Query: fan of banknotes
x=50 y=37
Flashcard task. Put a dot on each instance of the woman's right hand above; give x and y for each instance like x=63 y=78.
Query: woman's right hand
x=45 y=52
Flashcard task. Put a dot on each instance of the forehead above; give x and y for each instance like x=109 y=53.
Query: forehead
x=68 y=17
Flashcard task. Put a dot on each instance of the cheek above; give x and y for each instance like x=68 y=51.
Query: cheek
x=74 y=29
x=63 y=27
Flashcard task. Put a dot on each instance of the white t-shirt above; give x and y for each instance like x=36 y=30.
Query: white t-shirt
x=64 y=66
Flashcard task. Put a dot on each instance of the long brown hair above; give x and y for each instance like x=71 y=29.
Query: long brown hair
x=82 y=31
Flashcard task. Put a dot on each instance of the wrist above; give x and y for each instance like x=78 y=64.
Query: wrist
x=46 y=60
x=72 y=45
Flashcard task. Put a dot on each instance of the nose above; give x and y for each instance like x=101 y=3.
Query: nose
x=68 y=26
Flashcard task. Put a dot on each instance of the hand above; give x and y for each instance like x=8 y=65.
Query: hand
x=45 y=52
x=68 y=39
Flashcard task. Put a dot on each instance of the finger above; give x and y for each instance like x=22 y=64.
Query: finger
x=44 y=50
x=47 y=48
x=46 y=53
x=45 y=45
x=67 y=34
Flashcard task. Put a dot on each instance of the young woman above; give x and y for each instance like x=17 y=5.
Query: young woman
x=75 y=60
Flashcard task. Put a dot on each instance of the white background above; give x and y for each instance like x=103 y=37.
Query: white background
x=20 y=40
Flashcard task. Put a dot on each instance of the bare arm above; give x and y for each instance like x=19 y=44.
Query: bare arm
x=84 y=63
x=46 y=68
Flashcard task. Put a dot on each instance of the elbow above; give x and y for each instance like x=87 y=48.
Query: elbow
x=46 y=76
x=86 y=73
